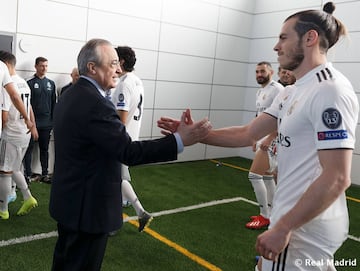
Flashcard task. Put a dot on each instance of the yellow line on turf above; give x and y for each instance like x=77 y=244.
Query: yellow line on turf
x=228 y=165
x=177 y=247
x=244 y=169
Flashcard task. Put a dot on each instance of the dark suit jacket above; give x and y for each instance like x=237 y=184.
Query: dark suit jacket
x=90 y=144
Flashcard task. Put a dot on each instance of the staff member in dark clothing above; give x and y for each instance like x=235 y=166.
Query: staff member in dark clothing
x=43 y=99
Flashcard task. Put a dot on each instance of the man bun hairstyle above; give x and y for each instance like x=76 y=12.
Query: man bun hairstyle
x=323 y=22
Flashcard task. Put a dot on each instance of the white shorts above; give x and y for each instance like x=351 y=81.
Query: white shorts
x=11 y=156
x=311 y=249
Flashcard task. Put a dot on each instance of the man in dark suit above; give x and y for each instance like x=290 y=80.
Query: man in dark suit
x=90 y=144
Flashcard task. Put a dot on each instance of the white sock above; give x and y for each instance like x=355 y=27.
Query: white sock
x=260 y=192
x=13 y=188
x=5 y=190
x=20 y=181
x=129 y=193
x=270 y=188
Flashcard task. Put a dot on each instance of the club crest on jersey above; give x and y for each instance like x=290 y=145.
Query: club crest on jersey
x=331 y=118
x=332 y=135
x=291 y=109
x=121 y=99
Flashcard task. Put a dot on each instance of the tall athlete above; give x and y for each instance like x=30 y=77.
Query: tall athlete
x=128 y=99
x=261 y=171
x=14 y=141
x=316 y=120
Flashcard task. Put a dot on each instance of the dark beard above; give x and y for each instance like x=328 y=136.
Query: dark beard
x=296 y=59
x=263 y=80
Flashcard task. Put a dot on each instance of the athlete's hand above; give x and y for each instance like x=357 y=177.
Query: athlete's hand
x=272 y=242
x=192 y=132
x=34 y=133
x=29 y=124
x=170 y=125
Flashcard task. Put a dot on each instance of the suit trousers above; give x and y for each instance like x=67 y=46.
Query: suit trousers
x=78 y=251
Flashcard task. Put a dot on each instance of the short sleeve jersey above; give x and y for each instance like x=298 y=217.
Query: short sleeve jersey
x=320 y=111
x=15 y=130
x=5 y=79
x=266 y=95
x=129 y=96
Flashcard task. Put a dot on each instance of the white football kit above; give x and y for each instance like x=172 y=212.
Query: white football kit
x=5 y=79
x=15 y=137
x=266 y=95
x=129 y=96
x=320 y=111
x=264 y=98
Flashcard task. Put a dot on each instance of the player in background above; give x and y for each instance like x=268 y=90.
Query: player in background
x=261 y=174
x=14 y=141
x=128 y=99
x=286 y=77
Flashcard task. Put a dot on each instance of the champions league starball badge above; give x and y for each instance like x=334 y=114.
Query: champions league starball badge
x=331 y=117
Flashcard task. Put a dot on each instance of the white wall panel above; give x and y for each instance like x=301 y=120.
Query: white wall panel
x=347 y=49
x=351 y=71
x=62 y=54
x=216 y=152
x=192 y=153
x=232 y=48
x=230 y=73
x=355 y=172
x=59 y=20
x=137 y=8
x=191 y=13
x=235 y=22
x=138 y=33
x=149 y=92
x=146 y=63
x=247 y=6
x=227 y=97
x=269 y=24
x=184 y=40
x=8 y=15
x=182 y=95
x=278 y=5
x=348 y=14
x=158 y=113
x=82 y=3
x=146 y=124
x=263 y=49
x=185 y=68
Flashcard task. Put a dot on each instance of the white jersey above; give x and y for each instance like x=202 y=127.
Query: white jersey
x=266 y=95
x=129 y=96
x=320 y=111
x=15 y=130
x=5 y=79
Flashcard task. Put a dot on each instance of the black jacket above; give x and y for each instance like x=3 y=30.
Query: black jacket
x=90 y=144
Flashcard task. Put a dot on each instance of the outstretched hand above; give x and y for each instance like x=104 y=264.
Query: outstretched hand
x=190 y=132
x=170 y=125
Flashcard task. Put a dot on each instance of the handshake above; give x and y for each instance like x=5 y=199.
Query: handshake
x=190 y=132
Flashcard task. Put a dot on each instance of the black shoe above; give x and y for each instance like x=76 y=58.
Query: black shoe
x=45 y=179
x=144 y=220
x=35 y=177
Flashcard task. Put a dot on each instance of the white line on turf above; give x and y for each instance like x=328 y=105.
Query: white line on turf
x=29 y=238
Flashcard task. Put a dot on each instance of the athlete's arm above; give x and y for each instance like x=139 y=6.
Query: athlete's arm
x=33 y=130
x=18 y=103
x=123 y=115
x=333 y=181
x=241 y=136
x=5 y=116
